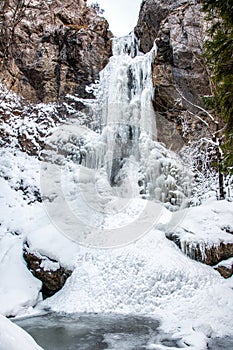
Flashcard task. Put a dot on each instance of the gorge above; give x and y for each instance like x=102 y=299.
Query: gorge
x=99 y=176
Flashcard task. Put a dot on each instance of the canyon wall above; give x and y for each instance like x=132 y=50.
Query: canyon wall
x=49 y=49
x=180 y=76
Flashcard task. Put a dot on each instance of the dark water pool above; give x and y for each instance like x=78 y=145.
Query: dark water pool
x=221 y=344
x=97 y=332
x=110 y=332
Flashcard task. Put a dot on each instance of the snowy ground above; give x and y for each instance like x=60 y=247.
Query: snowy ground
x=23 y=218
x=210 y=223
x=13 y=337
x=150 y=276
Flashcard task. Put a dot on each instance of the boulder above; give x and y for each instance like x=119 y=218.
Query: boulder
x=225 y=268
x=49 y=271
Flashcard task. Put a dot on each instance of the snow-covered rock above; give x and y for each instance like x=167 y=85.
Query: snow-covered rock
x=12 y=337
x=18 y=288
x=204 y=231
x=225 y=268
x=49 y=271
x=23 y=218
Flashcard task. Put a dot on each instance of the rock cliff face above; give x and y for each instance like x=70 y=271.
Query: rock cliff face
x=52 y=48
x=179 y=73
x=151 y=15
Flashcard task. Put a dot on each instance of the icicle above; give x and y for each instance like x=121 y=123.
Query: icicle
x=126 y=45
x=126 y=150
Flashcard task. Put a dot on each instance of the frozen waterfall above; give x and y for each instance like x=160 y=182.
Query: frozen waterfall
x=125 y=121
x=115 y=158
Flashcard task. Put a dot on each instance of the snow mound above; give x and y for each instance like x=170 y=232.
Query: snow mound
x=19 y=289
x=149 y=277
x=12 y=337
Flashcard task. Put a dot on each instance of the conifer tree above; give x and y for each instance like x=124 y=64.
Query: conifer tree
x=219 y=55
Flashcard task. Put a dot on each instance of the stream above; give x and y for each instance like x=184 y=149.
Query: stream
x=97 y=332
x=105 y=331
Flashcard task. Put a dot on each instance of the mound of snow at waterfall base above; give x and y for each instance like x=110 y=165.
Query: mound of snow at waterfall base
x=150 y=276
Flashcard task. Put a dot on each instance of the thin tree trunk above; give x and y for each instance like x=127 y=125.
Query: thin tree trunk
x=222 y=194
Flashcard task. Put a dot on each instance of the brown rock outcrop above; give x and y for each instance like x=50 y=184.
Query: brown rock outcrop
x=209 y=255
x=52 y=48
x=48 y=271
x=225 y=271
x=180 y=76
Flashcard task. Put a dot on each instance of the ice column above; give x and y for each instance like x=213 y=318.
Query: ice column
x=125 y=95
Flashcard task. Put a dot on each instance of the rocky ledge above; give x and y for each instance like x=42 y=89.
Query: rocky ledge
x=205 y=233
x=219 y=256
x=49 y=271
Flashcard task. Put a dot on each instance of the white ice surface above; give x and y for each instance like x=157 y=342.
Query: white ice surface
x=12 y=337
x=21 y=221
x=228 y=263
x=18 y=288
x=150 y=276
